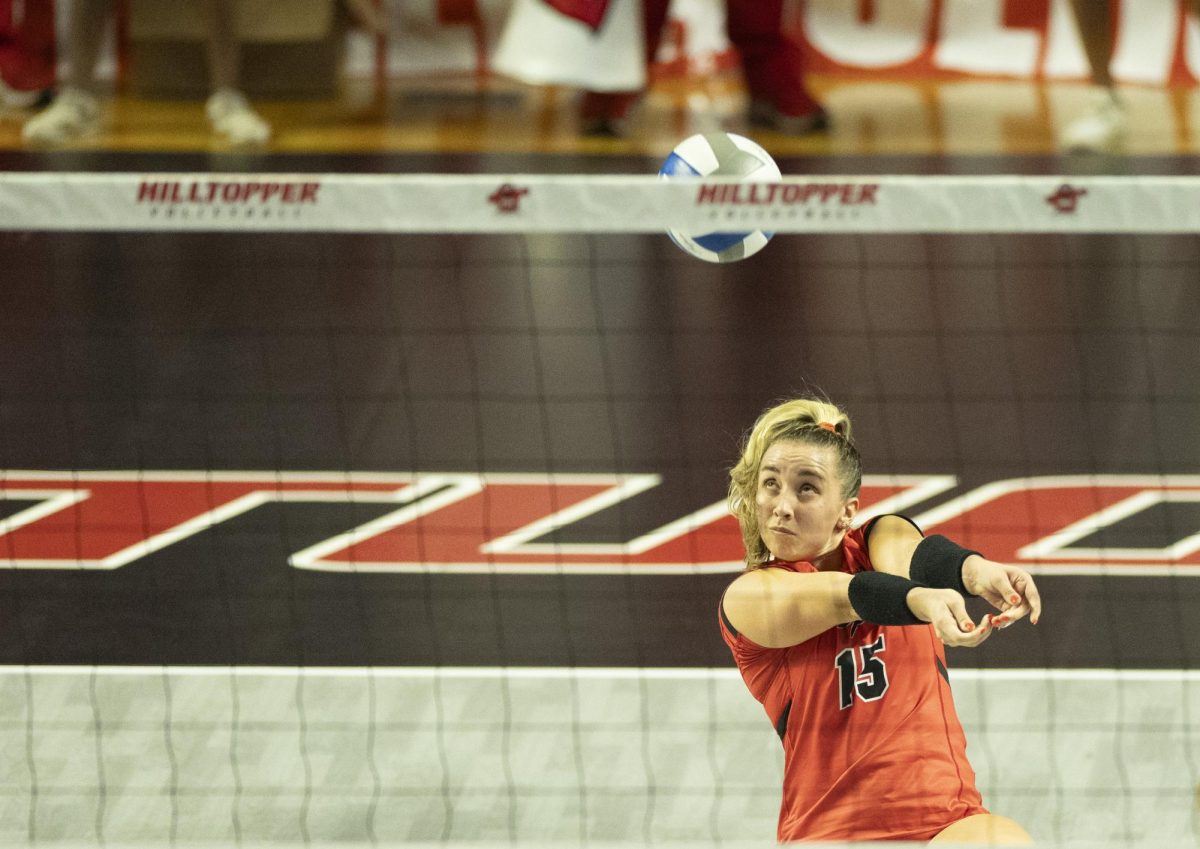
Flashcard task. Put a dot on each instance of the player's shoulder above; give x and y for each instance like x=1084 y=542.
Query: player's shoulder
x=888 y=524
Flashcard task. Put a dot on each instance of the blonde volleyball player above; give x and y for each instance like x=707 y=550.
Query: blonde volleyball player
x=839 y=632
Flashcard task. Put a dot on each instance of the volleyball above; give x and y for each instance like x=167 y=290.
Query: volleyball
x=720 y=155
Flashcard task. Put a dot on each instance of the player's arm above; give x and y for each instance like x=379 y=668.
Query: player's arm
x=891 y=543
x=897 y=547
x=776 y=608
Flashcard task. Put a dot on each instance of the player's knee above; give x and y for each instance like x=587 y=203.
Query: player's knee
x=985 y=830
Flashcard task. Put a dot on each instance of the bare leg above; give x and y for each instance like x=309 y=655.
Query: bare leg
x=369 y=16
x=1094 y=19
x=1103 y=126
x=985 y=830
x=228 y=110
x=75 y=112
x=88 y=19
x=224 y=52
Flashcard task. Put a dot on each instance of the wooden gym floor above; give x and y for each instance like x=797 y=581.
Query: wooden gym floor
x=465 y=115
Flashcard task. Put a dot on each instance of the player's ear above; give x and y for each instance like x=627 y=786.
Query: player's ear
x=849 y=511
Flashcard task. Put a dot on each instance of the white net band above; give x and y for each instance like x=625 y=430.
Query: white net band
x=522 y=203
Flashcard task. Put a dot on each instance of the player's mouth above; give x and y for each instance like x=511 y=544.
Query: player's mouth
x=783 y=531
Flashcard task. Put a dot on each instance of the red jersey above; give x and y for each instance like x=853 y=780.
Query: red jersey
x=873 y=749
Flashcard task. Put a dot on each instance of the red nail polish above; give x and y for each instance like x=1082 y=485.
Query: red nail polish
x=1015 y=599
x=969 y=627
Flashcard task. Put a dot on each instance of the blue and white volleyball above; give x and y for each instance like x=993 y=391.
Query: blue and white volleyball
x=720 y=155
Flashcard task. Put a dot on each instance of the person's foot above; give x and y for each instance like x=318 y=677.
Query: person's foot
x=603 y=128
x=1101 y=129
x=765 y=115
x=15 y=98
x=232 y=116
x=605 y=114
x=73 y=114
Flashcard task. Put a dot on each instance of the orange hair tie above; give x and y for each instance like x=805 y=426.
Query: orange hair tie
x=832 y=428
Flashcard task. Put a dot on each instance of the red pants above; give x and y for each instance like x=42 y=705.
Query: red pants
x=772 y=63
x=27 y=55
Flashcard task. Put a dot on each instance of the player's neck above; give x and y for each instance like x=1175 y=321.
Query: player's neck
x=832 y=560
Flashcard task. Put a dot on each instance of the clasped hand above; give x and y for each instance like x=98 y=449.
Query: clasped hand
x=1009 y=589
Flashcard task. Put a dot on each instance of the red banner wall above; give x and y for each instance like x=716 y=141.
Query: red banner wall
x=1155 y=41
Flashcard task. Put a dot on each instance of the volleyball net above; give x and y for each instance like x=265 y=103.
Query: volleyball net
x=391 y=509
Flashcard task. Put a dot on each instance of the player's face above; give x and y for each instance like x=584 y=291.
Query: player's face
x=801 y=512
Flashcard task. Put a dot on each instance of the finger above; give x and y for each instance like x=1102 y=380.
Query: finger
x=950 y=635
x=951 y=628
x=956 y=637
x=946 y=628
x=984 y=631
x=987 y=627
x=959 y=611
x=1032 y=597
x=1007 y=617
x=997 y=602
x=993 y=599
x=1004 y=588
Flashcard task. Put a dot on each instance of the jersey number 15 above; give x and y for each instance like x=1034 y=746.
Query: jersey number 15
x=862 y=671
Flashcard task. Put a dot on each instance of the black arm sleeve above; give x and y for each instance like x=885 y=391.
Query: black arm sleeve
x=882 y=599
x=937 y=562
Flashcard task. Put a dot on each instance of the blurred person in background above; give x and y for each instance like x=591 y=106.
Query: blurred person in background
x=1105 y=124
x=772 y=69
x=75 y=112
x=27 y=53
x=606 y=46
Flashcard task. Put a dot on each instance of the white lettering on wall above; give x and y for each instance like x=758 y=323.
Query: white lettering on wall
x=897 y=33
x=1064 y=51
x=974 y=39
x=1146 y=35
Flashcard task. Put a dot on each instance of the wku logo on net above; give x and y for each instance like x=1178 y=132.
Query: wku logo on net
x=464 y=523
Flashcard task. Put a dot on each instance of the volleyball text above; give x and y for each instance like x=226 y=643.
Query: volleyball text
x=227 y=191
x=756 y=194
